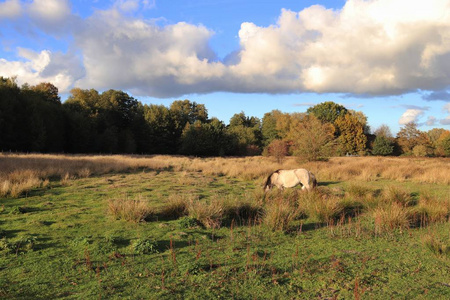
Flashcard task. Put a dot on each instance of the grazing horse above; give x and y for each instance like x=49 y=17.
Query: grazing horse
x=290 y=178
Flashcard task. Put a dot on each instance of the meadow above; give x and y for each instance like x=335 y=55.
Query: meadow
x=173 y=227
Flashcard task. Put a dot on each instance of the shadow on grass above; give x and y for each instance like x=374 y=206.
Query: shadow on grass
x=11 y=233
x=307 y=227
x=167 y=245
x=44 y=243
x=327 y=183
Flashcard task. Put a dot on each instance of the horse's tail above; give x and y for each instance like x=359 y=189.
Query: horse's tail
x=313 y=180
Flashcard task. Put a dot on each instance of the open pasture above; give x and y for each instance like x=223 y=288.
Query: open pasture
x=166 y=227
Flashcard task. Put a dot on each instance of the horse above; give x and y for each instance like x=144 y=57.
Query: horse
x=291 y=178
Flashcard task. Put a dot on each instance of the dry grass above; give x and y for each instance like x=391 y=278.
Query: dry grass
x=397 y=195
x=427 y=170
x=430 y=210
x=175 y=207
x=209 y=214
x=390 y=217
x=279 y=214
x=21 y=172
x=130 y=210
x=436 y=245
x=321 y=207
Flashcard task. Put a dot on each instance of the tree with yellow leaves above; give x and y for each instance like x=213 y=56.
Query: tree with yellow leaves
x=352 y=139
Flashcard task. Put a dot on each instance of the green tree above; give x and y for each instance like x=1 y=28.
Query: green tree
x=86 y=101
x=446 y=145
x=48 y=92
x=12 y=116
x=160 y=129
x=81 y=114
x=327 y=111
x=246 y=132
x=382 y=146
x=185 y=111
x=269 y=130
x=204 y=139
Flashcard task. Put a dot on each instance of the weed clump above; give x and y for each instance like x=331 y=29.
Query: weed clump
x=187 y=222
x=130 y=210
x=390 y=217
x=209 y=214
x=174 y=208
x=144 y=246
x=20 y=245
x=435 y=245
x=397 y=195
x=429 y=210
x=322 y=208
x=279 y=214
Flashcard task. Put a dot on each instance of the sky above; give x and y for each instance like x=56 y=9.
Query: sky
x=389 y=59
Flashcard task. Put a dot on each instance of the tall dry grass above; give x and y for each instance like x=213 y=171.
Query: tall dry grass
x=209 y=214
x=19 y=168
x=130 y=210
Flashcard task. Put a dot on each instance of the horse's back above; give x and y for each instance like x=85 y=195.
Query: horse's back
x=288 y=178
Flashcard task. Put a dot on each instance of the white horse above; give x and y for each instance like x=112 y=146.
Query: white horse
x=290 y=178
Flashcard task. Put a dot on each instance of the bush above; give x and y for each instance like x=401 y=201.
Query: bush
x=278 y=149
x=421 y=150
x=243 y=211
x=144 y=246
x=187 y=222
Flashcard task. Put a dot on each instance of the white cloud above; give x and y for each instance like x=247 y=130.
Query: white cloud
x=447 y=107
x=136 y=55
x=130 y=6
x=410 y=115
x=431 y=121
x=10 y=9
x=446 y=121
x=369 y=47
x=51 y=15
x=35 y=67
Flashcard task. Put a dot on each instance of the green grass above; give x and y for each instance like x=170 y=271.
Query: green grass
x=59 y=241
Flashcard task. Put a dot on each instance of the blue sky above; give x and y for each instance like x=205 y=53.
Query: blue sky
x=387 y=58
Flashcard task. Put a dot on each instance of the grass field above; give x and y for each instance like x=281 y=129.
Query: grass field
x=165 y=227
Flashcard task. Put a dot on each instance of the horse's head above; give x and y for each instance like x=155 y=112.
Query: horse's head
x=268 y=184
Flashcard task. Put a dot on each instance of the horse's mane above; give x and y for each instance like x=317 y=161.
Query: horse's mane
x=269 y=179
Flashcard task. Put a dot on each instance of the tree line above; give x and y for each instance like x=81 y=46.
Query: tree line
x=33 y=119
